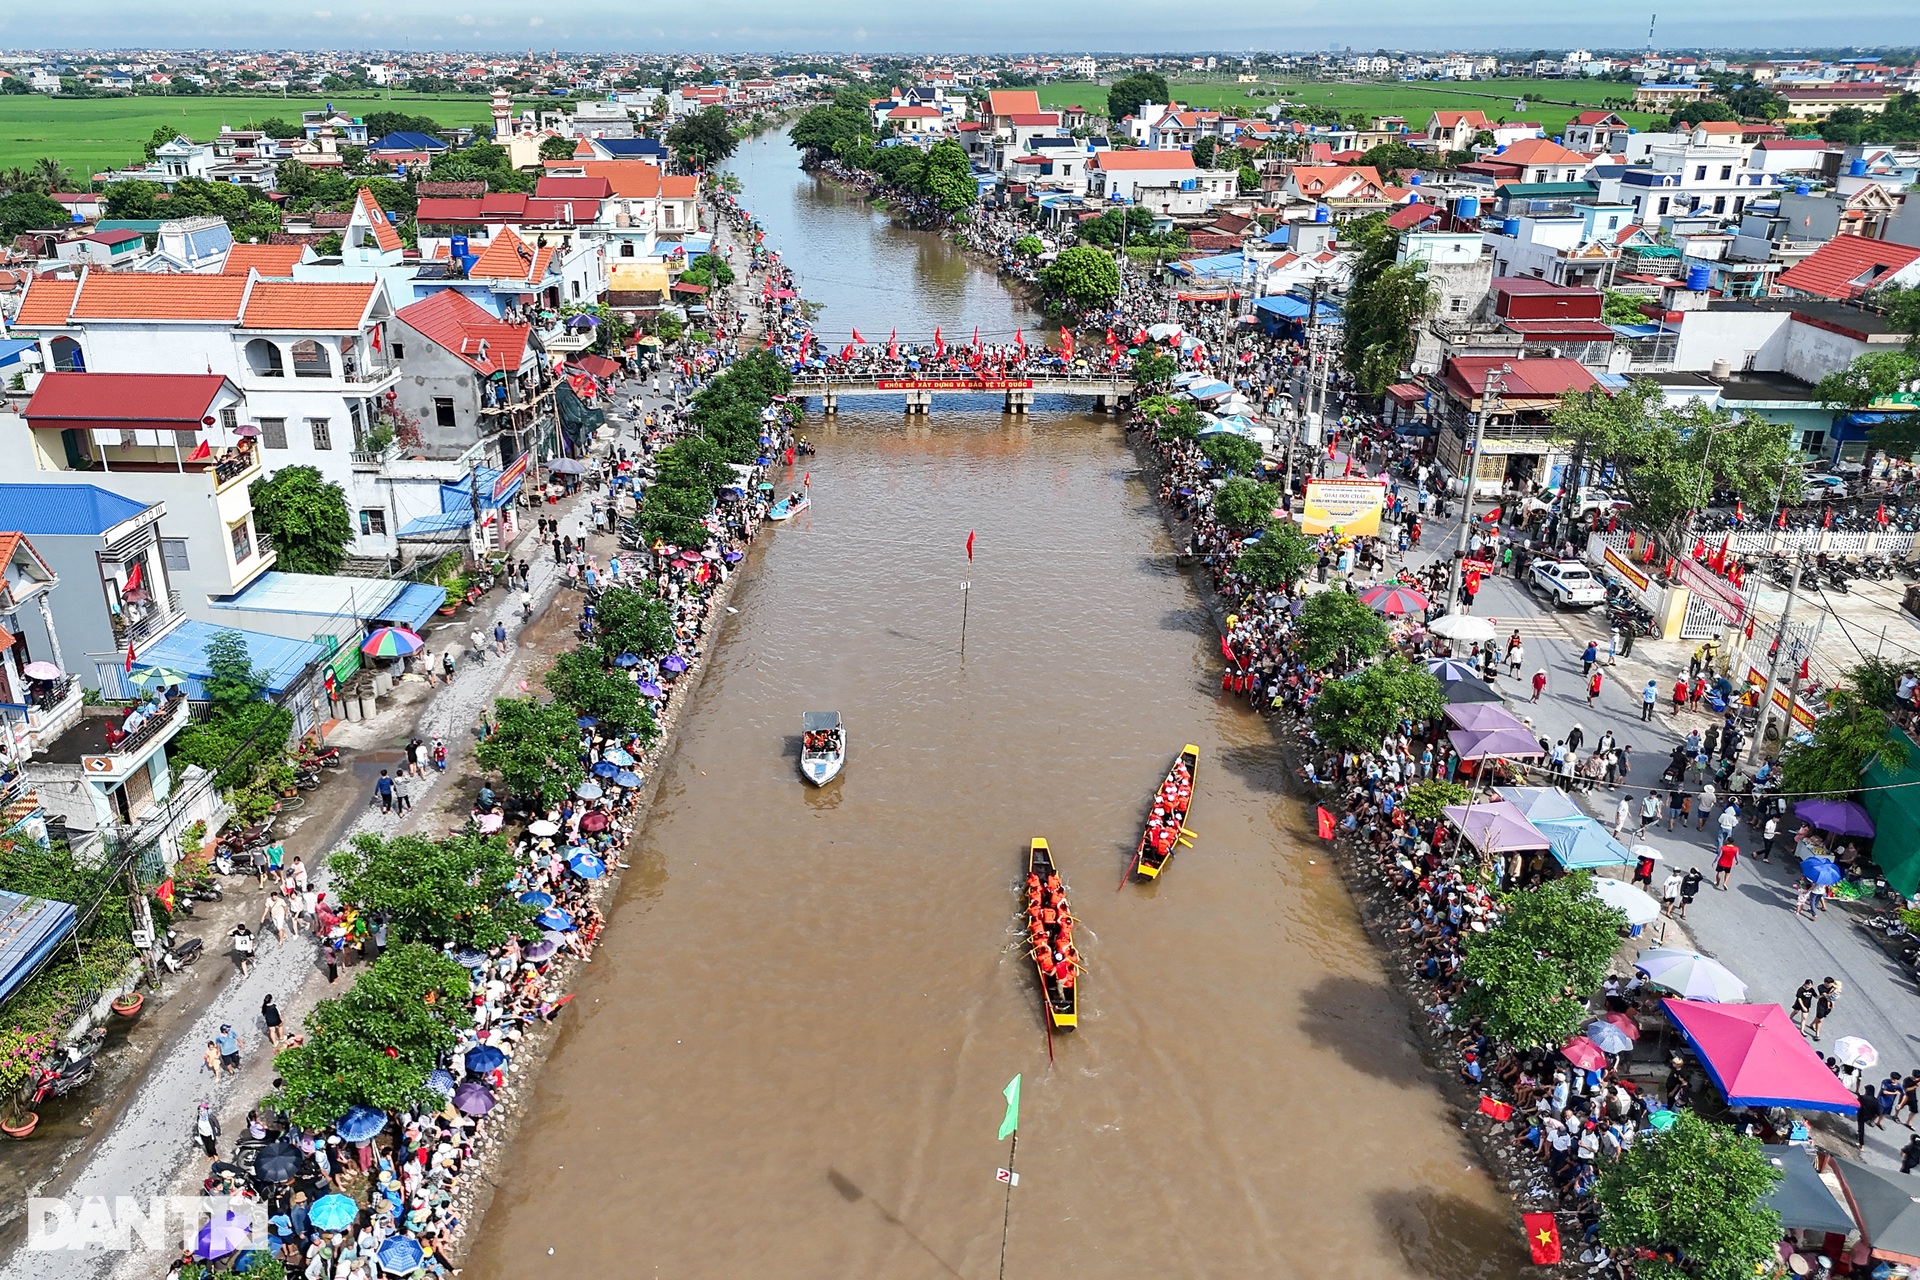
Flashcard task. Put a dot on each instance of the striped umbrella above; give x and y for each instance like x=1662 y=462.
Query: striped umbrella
x=392 y=642
x=1393 y=599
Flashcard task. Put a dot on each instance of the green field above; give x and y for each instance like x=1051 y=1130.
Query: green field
x=91 y=134
x=1561 y=100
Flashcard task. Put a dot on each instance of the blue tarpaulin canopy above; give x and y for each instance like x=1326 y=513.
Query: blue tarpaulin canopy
x=1583 y=842
x=30 y=928
x=406 y=604
x=459 y=495
x=428 y=526
x=1287 y=307
x=184 y=649
x=1219 y=267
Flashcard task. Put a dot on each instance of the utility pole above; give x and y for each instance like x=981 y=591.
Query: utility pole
x=1780 y=642
x=1493 y=384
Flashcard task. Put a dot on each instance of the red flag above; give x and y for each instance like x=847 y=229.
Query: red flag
x=376 y=337
x=1226 y=648
x=1739 y=511
x=1543 y=1238
x=201 y=452
x=976 y=337
x=846 y=352
x=129 y=667
x=1881 y=514
x=1066 y=344
x=939 y=344
x=857 y=337
x=1501 y=1111
x=1782 y=522
x=1699 y=548
x=969 y=546
x=807 y=482
x=1749 y=627
x=1323 y=821
x=1020 y=340
x=1826 y=521
x=165 y=894
x=1111 y=340
x=1803 y=668
x=893 y=345
x=806 y=341
x=135 y=576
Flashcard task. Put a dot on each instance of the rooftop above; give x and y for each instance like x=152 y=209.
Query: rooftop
x=164 y=401
x=65 y=510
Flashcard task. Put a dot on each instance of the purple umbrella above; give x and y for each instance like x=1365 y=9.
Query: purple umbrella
x=473 y=1098
x=540 y=951
x=228 y=1233
x=675 y=663
x=1495 y=827
x=1840 y=817
x=648 y=689
x=1476 y=744
x=1480 y=716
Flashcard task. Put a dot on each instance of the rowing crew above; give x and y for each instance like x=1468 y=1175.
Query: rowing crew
x=1170 y=806
x=1050 y=931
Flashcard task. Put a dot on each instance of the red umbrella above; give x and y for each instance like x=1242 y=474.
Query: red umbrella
x=1624 y=1022
x=1392 y=599
x=1583 y=1053
x=594 y=821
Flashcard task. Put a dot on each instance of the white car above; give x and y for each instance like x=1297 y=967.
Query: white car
x=1568 y=583
x=1590 y=501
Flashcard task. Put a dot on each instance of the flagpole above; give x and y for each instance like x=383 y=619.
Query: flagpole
x=1006 y=1217
x=966 y=597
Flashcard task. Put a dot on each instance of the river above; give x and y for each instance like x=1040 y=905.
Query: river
x=788 y=1055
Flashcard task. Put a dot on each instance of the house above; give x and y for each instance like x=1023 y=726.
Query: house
x=1788 y=155
x=1578 y=246
x=405 y=147
x=1816 y=102
x=1160 y=180
x=110 y=249
x=180 y=159
x=1595 y=132
x=1531 y=160
x=39 y=708
x=1456 y=130
x=1847 y=267
x=82 y=206
x=1683 y=179
x=917 y=121
x=465 y=374
x=275 y=261
x=1347 y=185
x=1514 y=397
x=1004 y=104
x=191 y=245
x=1668 y=97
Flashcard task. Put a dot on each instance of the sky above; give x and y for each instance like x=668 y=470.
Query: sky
x=983 y=26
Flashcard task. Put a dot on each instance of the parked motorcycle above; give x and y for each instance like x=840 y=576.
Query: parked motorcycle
x=180 y=952
x=72 y=1067
x=319 y=758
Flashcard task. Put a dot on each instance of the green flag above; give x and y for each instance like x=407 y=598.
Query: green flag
x=1012 y=1120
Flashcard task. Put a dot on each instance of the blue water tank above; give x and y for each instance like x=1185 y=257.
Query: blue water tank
x=1631 y=130
x=1557 y=137
x=1858 y=169
x=1802 y=189
x=1510 y=227
x=1500 y=150
x=1699 y=278
x=1321 y=213
x=457 y=246
x=1469 y=207
x=1415 y=180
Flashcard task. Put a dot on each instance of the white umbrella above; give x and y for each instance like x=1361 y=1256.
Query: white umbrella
x=1608 y=1038
x=1852 y=1051
x=1691 y=975
x=543 y=827
x=1161 y=332
x=1637 y=907
x=1463 y=627
x=1645 y=851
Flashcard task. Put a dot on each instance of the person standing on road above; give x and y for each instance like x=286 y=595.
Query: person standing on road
x=1729 y=821
x=1824 y=998
x=1768 y=834
x=1649 y=697
x=1670 y=891
x=383 y=792
x=1516 y=654
x=206 y=1126
x=1803 y=1005
x=500 y=637
x=1593 y=685
x=1708 y=798
x=275 y=913
x=1679 y=695
x=1689 y=889
x=402 y=800
x=1623 y=815
x=231 y=1044
x=1539 y=683
x=1649 y=813
x=1723 y=867
x=1589 y=657
x=270 y=1015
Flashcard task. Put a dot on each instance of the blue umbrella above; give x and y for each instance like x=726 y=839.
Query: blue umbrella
x=616 y=755
x=732 y=557
x=360 y=1124
x=1822 y=871
x=469 y=957
x=588 y=866
x=333 y=1213
x=440 y=1080
x=485 y=1058
x=648 y=689
x=401 y=1255
x=535 y=898
x=219 y=1238
x=589 y=791
x=675 y=663
x=586 y=722
x=627 y=660
x=627 y=778
x=554 y=918
x=605 y=769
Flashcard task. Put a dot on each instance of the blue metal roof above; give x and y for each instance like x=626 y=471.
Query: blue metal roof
x=364 y=599
x=632 y=147
x=1225 y=264
x=408 y=140
x=458 y=495
x=1288 y=307
x=184 y=649
x=414 y=606
x=445 y=522
x=30 y=928
x=57 y=510
x=10 y=349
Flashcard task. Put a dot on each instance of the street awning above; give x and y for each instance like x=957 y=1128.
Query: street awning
x=1477 y=744
x=1287 y=307
x=1803 y=1201
x=1495 y=827
x=30 y=929
x=414 y=606
x=1581 y=842
x=1887 y=1206
x=1758 y=1058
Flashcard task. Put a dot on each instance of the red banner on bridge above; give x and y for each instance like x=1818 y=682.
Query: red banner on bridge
x=954 y=384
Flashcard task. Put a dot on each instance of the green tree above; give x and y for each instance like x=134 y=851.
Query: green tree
x=1846 y=126
x=1852 y=734
x=1231 y=453
x=1154 y=368
x=30 y=211
x=1126 y=96
x=1529 y=976
x=132 y=199
x=1426 y=800
x=52 y=174
x=1278 y=559
x=457 y=890
x=1178 y=422
x=947 y=177
x=1623 y=308
x=1700 y=112
x=306 y=515
x=535 y=749
x=1244 y=504
x=1249 y=179
x=1029 y=246
x=244 y=731
x=634 y=620
x=1902 y=308
x=1084 y=276
x=1692 y=1197
x=1362 y=708
x=1204 y=152
x=704 y=139
x=584 y=682
x=1337 y=630
x=377 y=1044
x=1872 y=379
x=556 y=148
x=1384 y=303
x=1390 y=157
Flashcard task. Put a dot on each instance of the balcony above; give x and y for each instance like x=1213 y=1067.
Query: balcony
x=233 y=467
x=104 y=753
x=375 y=459
x=566 y=341
x=157 y=618
x=370 y=376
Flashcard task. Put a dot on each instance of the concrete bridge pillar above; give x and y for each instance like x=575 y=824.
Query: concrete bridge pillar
x=919 y=402
x=1019 y=399
x=829 y=402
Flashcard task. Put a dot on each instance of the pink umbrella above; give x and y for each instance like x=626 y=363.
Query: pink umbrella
x=1583 y=1053
x=1624 y=1022
x=40 y=671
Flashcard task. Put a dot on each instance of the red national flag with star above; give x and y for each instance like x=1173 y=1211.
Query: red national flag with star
x=1066 y=344
x=893 y=345
x=1881 y=514
x=976 y=337
x=1782 y=523
x=1323 y=822
x=1020 y=340
x=1826 y=521
x=129 y=667
x=857 y=338
x=1501 y=1111
x=164 y=892
x=1543 y=1238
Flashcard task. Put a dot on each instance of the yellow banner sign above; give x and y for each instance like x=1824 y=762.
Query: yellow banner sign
x=1343 y=506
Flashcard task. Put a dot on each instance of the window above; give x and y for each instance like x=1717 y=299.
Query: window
x=626 y=248
x=173 y=554
x=1456 y=305
x=242 y=534
x=273 y=433
x=229 y=418
x=1665 y=202
x=399 y=350
x=1719 y=204
x=443 y=411
x=373 y=521
x=263 y=358
x=1700 y=173
x=1726 y=173
x=1739 y=205
x=575 y=286
x=1812 y=442
x=322 y=434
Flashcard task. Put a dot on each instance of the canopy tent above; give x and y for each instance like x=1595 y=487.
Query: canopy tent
x=1887 y=1207
x=1213 y=390
x=1484 y=715
x=30 y=930
x=1285 y=306
x=1892 y=799
x=1583 y=842
x=1758 y=1058
x=1495 y=827
x=1460 y=692
x=1540 y=804
x=1803 y=1201
x=1477 y=744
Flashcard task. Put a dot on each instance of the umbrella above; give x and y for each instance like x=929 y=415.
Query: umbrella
x=566 y=467
x=485 y=1057
x=1886 y=1206
x=540 y=951
x=1691 y=974
x=391 y=642
x=589 y=791
x=588 y=866
x=1645 y=851
x=221 y=1236
x=1584 y=1054
x=1822 y=871
x=1393 y=599
x=1460 y=691
x=333 y=1213
x=1624 y=1023
x=1852 y=1051
x=675 y=663
x=1463 y=627
x=360 y=1124
x=279 y=1161
x=627 y=778
x=440 y=1080
x=1477 y=744
x=1447 y=669
x=473 y=1099
x=469 y=957
x=1756 y=1056
x=605 y=769
x=1637 y=907
x=1161 y=332
x=401 y=1255
x=594 y=822
x=247 y=431
x=47 y=671
x=627 y=660
x=554 y=918
x=1495 y=827
x=648 y=689
x=616 y=755
x=1489 y=715
x=1608 y=1038
x=732 y=557
x=535 y=898
x=145 y=677
x=544 y=828
x=1840 y=817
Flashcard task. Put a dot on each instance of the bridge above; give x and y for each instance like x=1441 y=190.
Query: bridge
x=1106 y=390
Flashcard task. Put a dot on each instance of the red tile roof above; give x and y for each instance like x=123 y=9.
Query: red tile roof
x=157 y=401
x=551 y=188
x=1007 y=102
x=453 y=321
x=633 y=179
x=309 y=305
x=508 y=257
x=383 y=233
x=1410 y=216
x=1466 y=377
x=268 y=259
x=111 y=296
x=1847 y=266
x=1155 y=160
x=914 y=113
x=1036 y=119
